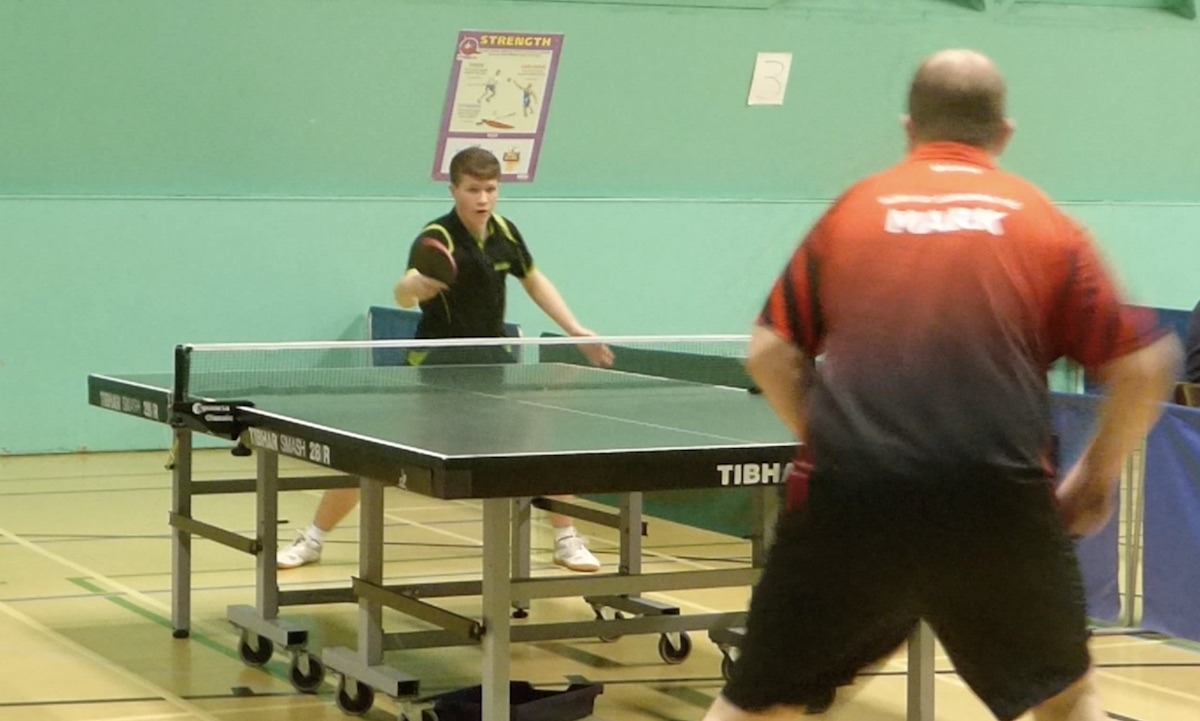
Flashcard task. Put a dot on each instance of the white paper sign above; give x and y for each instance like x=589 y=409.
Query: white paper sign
x=769 y=82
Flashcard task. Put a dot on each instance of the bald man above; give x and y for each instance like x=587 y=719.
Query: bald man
x=938 y=293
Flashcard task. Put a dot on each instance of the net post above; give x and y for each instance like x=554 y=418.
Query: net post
x=183 y=368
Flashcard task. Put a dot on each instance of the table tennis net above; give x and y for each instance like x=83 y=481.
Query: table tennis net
x=235 y=371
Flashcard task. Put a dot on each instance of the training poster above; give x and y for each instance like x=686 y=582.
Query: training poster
x=499 y=97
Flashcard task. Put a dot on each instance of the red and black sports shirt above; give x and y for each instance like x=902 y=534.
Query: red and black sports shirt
x=938 y=293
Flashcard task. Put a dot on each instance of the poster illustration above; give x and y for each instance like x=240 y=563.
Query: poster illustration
x=499 y=97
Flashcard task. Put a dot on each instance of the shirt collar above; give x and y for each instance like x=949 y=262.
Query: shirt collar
x=952 y=152
x=461 y=227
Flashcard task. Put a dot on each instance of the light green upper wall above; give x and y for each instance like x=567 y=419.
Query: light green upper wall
x=153 y=155
x=314 y=97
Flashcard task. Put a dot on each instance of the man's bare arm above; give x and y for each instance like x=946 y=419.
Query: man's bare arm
x=778 y=367
x=1135 y=386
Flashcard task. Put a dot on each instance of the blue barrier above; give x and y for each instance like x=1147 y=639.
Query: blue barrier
x=1171 y=545
x=1099 y=555
x=384 y=323
x=1170 y=551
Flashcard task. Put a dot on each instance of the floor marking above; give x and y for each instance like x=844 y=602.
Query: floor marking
x=84 y=652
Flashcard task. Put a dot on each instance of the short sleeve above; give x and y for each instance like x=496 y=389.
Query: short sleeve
x=521 y=262
x=1097 y=325
x=793 y=308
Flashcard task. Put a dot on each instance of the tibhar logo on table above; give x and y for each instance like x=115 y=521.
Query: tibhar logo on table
x=290 y=446
x=753 y=474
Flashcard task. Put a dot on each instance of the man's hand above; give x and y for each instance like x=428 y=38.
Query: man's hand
x=1135 y=385
x=415 y=287
x=424 y=287
x=1086 y=501
x=597 y=354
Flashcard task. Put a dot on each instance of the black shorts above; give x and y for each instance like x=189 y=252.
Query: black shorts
x=986 y=561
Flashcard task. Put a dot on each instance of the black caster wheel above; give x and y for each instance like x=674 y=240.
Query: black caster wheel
x=258 y=654
x=671 y=653
x=520 y=613
x=727 y=663
x=306 y=681
x=617 y=615
x=181 y=633
x=357 y=704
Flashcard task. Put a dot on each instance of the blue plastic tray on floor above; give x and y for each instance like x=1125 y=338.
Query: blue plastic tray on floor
x=526 y=703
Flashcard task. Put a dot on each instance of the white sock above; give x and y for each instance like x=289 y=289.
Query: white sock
x=564 y=532
x=315 y=533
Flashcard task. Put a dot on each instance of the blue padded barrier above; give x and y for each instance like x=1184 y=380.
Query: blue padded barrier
x=385 y=323
x=1099 y=556
x=1171 y=535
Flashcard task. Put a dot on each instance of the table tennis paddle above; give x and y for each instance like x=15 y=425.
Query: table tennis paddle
x=431 y=258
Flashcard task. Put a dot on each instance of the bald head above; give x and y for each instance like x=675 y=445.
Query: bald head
x=958 y=95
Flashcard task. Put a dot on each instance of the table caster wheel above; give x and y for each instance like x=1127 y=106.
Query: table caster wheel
x=617 y=615
x=358 y=703
x=257 y=654
x=306 y=681
x=672 y=653
x=727 y=667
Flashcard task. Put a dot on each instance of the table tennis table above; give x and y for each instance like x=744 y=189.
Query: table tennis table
x=504 y=434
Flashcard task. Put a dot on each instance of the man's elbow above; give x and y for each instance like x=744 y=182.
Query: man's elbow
x=768 y=352
x=757 y=364
x=1161 y=361
x=1154 y=368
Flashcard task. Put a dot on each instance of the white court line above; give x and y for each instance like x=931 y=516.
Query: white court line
x=1112 y=675
x=190 y=710
x=296 y=709
x=1133 y=640
x=417 y=524
x=606 y=417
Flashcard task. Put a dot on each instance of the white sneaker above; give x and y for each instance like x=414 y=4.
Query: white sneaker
x=571 y=552
x=304 y=550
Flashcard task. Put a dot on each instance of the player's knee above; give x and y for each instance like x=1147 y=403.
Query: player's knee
x=725 y=710
x=1078 y=702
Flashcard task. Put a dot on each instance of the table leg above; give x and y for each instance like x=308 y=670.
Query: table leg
x=920 y=674
x=630 y=534
x=267 y=511
x=181 y=540
x=497 y=599
x=521 y=548
x=370 y=568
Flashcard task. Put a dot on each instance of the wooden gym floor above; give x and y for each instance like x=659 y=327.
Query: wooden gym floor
x=85 y=607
